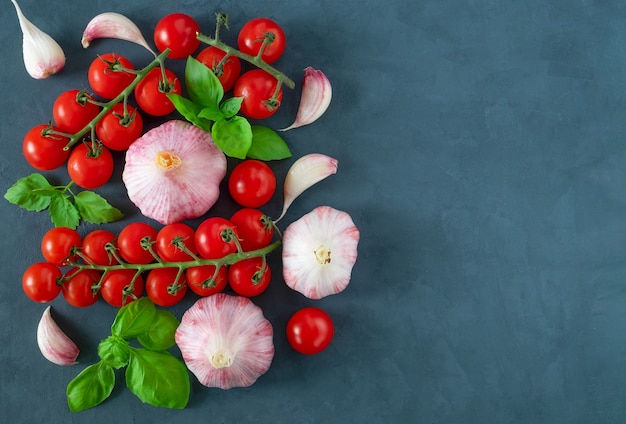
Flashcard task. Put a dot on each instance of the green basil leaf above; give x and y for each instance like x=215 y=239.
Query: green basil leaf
x=267 y=145
x=63 y=212
x=203 y=86
x=230 y=107
x=233 y=136
x=160 y=336
x=95 y=209
x=134 y=318
x=32 y=193
x=158 y=378
x=114 y=351
x=91 y=387
x=190 y=111
x=212 y=113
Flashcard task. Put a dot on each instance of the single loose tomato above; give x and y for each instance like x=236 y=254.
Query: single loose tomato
x=118 y=130
x=204 y=281
x=249 y=277
x=310 y=330
x=40 y=282
x=131 y=241
x=216 y=237
x=258 y=90
x=163 y=288
x=88 y=170
x=95 y=247
x=44 y=150
x=57 y=244
x=73 y=110
x=121 y=286
x=252 y=183
x=80 y=287
x=255 y=229
x=109 y=75
x=252 y=34
x=169 y=239
x=227 y=72
x=151 y=92
x=177 y=32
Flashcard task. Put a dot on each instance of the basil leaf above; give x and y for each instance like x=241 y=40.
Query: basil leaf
x=134 y=318
x=32 y=193
x=233 y=136
x=95 y=209
x=91 y=387
x=160 y=336
x=63 y=212
x=158 y=378
x=190 y=111
x=203 y=86
x=114 y=351
x=230 y=107
x=267 y=145
x=212 y=113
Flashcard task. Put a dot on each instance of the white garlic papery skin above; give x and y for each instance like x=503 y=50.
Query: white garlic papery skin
x=226 y=341
x=315 y=99
x=43 y=56
x=319 y=252
x=54 y=344
x=113 y=25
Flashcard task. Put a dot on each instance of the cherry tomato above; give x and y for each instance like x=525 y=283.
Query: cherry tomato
x=94 y=247
x=228 y=72
x=162 y=287
x=203 y=281
x=118 y=131
x=216 y=238
x=116 y=287
x=107 y=75
x=253 y=33
x=44 y=151
x=249 y=277
x=129 y=242
x=310 y=330
x=177 y=31
x=167 y=238
x=40 y=282
x=72 y=111
x=252 y=183
x=151 y=92
x=88 y=171
x=57 y=244
x=255 y=229
x=78 y=289
x=257 y=88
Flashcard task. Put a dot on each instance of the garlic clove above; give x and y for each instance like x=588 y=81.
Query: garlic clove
x=113 y=25
x=304 y=173
x=54 y=344
x=225 y=341
x=319 y=252
x=43 y=56
x=315 y=99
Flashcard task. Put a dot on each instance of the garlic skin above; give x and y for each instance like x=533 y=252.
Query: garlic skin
x=315 y=99
x=225 y=341
x=304 y=173
x=319 y=251
x=113 y=25
x=54 y=344
x=43 y=56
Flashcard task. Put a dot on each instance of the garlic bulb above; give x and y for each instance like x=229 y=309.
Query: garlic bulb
x=315 y=99
x=226 y=341
x=42 y=55
x=319 y=251
x=54 y=344
x=173 y=172
x=113 y=25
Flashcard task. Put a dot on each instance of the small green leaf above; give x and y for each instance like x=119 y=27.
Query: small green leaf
x=190 y=111
x=231 y=106
x=134 y=318
x=160 y=336
x=267 y=145
x=233 y=136
x=203 y=86
x=114 y=351
x=91 y=387
x=211 y=113
x=32 y=193
x=158 y=378
x=95 y=209
x=63 y=212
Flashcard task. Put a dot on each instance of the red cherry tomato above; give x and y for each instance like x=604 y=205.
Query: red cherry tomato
x=40 y=282
x=310 y=330
x=252 y=183
x=253 y=33
x=119 y=289
x=203 y=281
x=177 y=31
x=216 y=237
x=107 y=75
x=78 y=289
x=94 y=247
x=57 y=244
x=129 y=242
x=163 y=288
x=257 y=87
x=228 y=72
x=117 y=130
x=255 y=229
x=249 y=277
x=151 y=92
x=72 y=111
x=44 y=151
x=88 y=171
x=171 y=234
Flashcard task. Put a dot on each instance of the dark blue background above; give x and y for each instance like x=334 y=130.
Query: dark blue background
x=481 y=154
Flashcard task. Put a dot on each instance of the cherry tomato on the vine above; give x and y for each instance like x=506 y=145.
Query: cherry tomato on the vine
x=177 y=31
x=310 y=330
x=257 y=88
x=117 y=130
x=129 y=242
x=171 y=234
x=255 y=229
x=151 y=92
x=44 y=151
x=216 y=237
x=252 y=183
x=228 y=72
x=107 y=75
x=116 y=287
x=72 y=111
x=57 y=243
x=40 y=282
x=94 y=247
x=203 y=281
x=89 y=171
x=163 y=288
x=253 y=33
x=249 y=277
x=78 y=289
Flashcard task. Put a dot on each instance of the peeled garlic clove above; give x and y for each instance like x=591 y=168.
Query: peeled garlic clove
x=54 y=344
x=113 y=25
x=304 y=173
x=316 y=95
x=319 y=251
x=42 y=55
